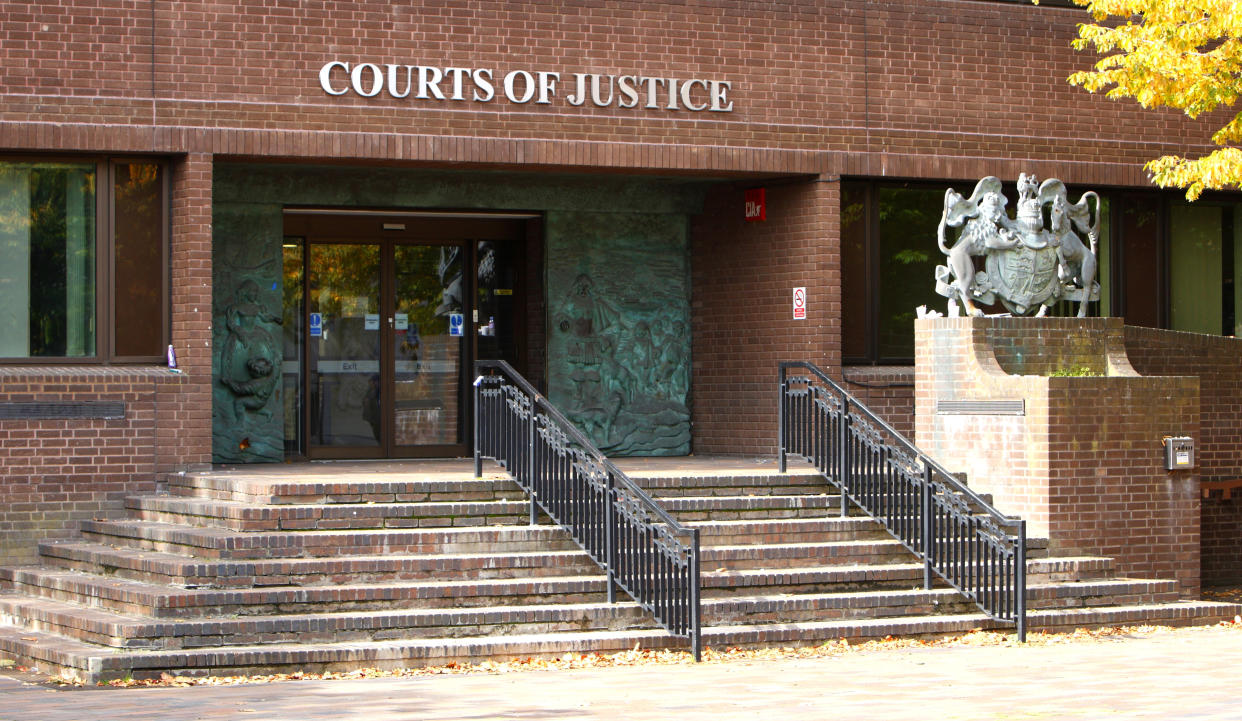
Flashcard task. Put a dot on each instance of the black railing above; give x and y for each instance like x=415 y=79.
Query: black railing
x=959 y=537
x=643 y=549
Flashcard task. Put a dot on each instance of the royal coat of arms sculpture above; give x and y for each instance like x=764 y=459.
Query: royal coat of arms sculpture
x=1031 y=261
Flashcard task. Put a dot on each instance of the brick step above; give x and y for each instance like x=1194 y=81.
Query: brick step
x=792 y=530
x=91 y=664
x=785 y=555
x=128 y=596
x=94 y=625
x=753 y=485
x=772 y=506
x=814 y=632
x=171 y=569
x=203 y=542
x=819 y=578
x=239 y=516
x=134 y=597
x=121 y=631
x=369 y=488
x=887 y=603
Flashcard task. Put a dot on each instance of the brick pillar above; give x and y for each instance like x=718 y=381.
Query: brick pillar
x=184 y=434
x=1083 y=461
x=743 y=277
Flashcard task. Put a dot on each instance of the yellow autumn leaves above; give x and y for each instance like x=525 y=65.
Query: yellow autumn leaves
x=1182 y=54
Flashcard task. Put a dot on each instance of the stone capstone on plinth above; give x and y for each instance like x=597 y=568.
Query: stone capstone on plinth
x=1048 y=416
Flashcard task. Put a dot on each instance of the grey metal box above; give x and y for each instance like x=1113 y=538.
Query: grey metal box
x=1179 y=453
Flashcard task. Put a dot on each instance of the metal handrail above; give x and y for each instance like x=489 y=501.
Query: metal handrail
x=978 y=550
x=644 y=551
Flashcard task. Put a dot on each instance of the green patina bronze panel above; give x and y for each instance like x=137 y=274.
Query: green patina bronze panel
x=616 y=277
x=618 y=332
x=247 y=411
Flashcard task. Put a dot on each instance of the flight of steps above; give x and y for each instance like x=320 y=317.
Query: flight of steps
x=244 y=572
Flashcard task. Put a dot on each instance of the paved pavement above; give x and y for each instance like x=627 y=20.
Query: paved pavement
x=1189 y=674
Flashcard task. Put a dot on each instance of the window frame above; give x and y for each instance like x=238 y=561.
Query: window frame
x=105 y=265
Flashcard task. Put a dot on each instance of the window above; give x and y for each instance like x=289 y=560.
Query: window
x=889 y=257
x=1202 y=267
x=82 y=262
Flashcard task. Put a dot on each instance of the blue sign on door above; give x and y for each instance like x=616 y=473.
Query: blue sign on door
x=457 y=324
x=316 y=325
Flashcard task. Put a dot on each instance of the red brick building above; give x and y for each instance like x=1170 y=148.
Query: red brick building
x=329 y=209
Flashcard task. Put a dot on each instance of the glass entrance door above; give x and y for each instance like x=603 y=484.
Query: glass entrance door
x=385 y=343
x=343 y=349
x=427 y=340
x=385 y=314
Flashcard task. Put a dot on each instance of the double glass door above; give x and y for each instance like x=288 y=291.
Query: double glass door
x=386 y=349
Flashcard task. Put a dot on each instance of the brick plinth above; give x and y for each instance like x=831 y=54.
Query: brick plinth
x=1084 y=463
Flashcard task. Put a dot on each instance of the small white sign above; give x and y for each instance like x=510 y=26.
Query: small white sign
x=371 y=322
x=403 y=321
x=457 y=324
x=799 y=303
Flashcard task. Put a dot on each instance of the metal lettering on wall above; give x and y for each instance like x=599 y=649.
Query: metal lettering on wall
x=483 y=85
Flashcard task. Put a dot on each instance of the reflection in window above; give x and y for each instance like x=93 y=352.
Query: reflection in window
x=47 y=260
x=907 y=264
x=1203 y=295
x=139 y=258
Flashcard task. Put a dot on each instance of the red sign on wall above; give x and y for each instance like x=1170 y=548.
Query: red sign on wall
x=756 y=205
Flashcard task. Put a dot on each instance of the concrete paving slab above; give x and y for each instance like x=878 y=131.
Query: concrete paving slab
x=1177 y=674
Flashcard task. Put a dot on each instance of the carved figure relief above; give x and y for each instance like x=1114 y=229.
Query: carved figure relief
x=250 y=356
x=628 y=371
x=1031 y=261
x=248 y=398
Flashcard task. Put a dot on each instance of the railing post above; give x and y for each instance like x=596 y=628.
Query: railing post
x=1019 y=580
x=928 y=539
x=610 y=537
x=478 y=397
x=845 y=456
x=696 y=613
x=780 y=419
x=529 y=469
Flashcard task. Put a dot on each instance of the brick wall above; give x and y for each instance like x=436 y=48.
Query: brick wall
x=57 y=472
x=888 y=391
x=743 y=276
x=821 y=88
x=185 y=425
x=1221 y=539
x=902 y=88
x=1214 y=360
x=1084 y=464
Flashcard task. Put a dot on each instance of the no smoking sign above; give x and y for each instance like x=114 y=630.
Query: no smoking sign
x=799 y=303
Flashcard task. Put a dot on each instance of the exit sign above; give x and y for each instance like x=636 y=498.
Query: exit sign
x=756 y=205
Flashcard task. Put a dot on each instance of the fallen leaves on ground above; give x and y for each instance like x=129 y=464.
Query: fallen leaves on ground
x=641 y=656
x=1228 y=594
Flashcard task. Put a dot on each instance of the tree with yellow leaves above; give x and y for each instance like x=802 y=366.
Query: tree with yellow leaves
x=1184 y=54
